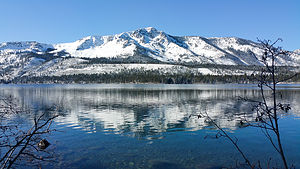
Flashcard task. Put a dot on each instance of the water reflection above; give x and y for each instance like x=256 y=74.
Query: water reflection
x=142 y=112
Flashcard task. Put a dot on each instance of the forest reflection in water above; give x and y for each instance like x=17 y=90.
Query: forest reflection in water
x=153 y=126
x=144 y=111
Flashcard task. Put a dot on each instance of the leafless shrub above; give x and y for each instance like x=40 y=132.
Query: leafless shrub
x=18 y=142
x=268 y=110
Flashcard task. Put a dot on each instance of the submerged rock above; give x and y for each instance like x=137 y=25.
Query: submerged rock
x=43 y=144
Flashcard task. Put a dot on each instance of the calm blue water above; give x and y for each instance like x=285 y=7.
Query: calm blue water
x=149 y=126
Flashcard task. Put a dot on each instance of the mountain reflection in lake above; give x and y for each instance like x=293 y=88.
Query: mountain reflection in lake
x=145 y=112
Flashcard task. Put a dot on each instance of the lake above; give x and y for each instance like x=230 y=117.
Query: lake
x=155 y=125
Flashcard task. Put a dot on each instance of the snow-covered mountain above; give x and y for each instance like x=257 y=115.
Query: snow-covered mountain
x=167 y=48
x=157 y=45
x=147 y=45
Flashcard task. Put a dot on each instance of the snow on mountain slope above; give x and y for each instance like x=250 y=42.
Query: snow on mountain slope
x=160 y=46
x=97 y=47
x=295 y=56
x=73 y=66
x=153 y=44
x=244 y=50
x=16 y=65
x=28 y=46
x=146 y=45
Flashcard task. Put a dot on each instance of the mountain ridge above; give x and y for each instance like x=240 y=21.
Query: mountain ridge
x=157 y=45
x=157 y=49
x=142 y=47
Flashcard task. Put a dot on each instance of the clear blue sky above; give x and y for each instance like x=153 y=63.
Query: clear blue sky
x=58 y=21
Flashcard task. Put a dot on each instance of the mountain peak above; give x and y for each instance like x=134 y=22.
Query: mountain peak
x=297 y=51
x=150 y=29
